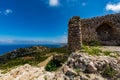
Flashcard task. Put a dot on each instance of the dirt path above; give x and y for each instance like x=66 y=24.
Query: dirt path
x=44 y=63
x=111 y=48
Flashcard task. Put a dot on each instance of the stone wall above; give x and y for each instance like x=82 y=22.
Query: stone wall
x=105 y=29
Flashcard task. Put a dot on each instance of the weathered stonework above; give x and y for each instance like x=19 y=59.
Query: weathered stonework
x=105 y=29
x=74 y=33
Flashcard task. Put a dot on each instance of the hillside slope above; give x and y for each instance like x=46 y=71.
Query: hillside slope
x=31 y=55
x=80 y=65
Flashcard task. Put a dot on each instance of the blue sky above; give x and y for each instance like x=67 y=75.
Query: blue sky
x=46 y=20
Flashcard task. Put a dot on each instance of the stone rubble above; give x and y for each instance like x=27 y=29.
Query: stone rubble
x=90 y=65
x=27 y=72
x=79 y=66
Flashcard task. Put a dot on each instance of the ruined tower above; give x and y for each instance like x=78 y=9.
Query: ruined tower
x=74 y=34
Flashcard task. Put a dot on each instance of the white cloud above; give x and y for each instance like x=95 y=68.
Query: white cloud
x=83 y=4
x=64 y=3
x=61 y=38
x=115 y=7
x=53 y=2
x=6 y=41
x=8 y=11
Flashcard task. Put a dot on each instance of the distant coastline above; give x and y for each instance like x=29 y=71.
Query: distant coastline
x=4 y=48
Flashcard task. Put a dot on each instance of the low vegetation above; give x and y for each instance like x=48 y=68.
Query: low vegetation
x=107 y=53
x=92 y=43
x=56 y=62
x=53 y=65
x=32 y=55
x=92 y=50
x=95 y=50
x=109 y=72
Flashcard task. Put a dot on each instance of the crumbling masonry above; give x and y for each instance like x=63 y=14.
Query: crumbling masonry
x=104 y=29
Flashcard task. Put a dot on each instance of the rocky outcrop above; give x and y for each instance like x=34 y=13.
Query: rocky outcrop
x=84 y=66
x=27 y=72
x=79 y=66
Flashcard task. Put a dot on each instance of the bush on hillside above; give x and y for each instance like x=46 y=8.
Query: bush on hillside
x=109 y=72
x=53 y=65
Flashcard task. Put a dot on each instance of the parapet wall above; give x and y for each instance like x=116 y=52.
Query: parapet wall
x=105 y=29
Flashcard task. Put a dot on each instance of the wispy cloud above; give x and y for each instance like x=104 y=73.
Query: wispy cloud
x=54 y=3
x=8 y=41
x=61 y=39
x=12 y=40
x=83 y=4
x=115 y=7
x=61 y=3
x=64 y=39
x=8 y=11
x=74 y=2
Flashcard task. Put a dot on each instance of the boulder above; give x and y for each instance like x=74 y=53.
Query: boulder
x=91 y=68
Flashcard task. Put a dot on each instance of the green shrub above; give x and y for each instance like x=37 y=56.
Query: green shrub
x=94 y=43
x=109 y=72
x=107 y=53
x=92 y=50
x=96 y=51
x=53 y=65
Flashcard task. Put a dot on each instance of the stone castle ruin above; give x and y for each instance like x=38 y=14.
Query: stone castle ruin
x=104 y=29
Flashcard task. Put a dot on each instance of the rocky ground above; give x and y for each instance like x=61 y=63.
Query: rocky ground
x=27 y=72
x=79 y=66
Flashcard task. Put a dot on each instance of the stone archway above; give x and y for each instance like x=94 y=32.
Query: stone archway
x=105 y=32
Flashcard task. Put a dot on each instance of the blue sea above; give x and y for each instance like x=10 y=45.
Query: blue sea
x=7 y=48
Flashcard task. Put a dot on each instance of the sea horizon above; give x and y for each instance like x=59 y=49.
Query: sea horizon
x=5 y=48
